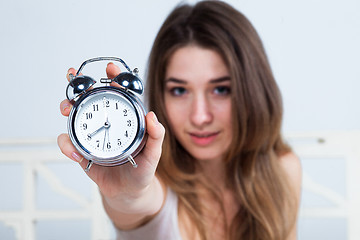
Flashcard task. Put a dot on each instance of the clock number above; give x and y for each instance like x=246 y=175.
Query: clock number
x=84 y=126
x=116 y=106
x=88 y=137
x=88 y=115
x=129 y=123
x=126 y=134
x=108 y=145
x=106 y=102
x=96 y=107
x=97 y=143
x=125 y=112
x=119 y=142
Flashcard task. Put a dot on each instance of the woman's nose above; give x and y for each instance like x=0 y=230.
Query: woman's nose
x=201 y=111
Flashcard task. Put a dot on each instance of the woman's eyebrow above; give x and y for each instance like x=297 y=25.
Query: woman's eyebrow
x=221 y=79
x=216 y=80
x=175 y=80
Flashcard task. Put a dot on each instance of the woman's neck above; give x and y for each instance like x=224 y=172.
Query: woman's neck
x=215 y=172
x=218 y=213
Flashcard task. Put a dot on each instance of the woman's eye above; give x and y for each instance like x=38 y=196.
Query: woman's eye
x=178 y=91
x=222 y=90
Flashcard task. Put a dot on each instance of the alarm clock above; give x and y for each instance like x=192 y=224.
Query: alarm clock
x=107 y=124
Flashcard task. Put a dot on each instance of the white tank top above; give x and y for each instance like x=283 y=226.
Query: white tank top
x=164 y=226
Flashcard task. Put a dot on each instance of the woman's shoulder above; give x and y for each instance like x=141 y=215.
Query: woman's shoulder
x=292 y=167
x=290 y=162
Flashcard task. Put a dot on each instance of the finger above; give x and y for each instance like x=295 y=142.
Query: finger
x=68 y=149
x=156 y=133
x=112 y=70
x=70 y=71
x=65 y=107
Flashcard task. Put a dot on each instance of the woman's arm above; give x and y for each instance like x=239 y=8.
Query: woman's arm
x=137 y=214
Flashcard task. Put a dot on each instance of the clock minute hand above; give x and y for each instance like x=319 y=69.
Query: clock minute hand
x=104 y=141
x=106 y=126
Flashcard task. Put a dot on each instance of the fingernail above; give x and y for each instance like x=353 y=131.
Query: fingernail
x=156 y=121
x=65 y=106
x=77 y=157
x=68 y=73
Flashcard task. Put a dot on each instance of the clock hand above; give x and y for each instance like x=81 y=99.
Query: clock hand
x=104 y=140
x=95 y=132
x=106 y=125
x=108 y=134
x=105 y=109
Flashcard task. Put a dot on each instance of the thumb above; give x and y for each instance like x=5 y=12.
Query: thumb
x=112 y=70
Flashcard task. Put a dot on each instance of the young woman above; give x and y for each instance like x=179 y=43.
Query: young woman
x=222 y=171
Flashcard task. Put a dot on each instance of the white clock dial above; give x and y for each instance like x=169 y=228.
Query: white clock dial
x=106 y=124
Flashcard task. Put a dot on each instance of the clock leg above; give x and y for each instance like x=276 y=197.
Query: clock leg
x=132 y=161
x=87 y=169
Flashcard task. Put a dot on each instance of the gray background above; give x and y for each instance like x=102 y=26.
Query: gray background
x=313 y=47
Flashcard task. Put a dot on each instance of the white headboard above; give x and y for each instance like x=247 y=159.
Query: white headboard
x=45 y=194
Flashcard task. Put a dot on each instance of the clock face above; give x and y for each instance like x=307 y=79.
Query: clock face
x=105 y=124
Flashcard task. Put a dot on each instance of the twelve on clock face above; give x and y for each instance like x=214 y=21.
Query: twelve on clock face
x=105 y=124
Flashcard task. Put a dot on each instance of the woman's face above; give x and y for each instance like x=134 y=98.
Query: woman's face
x=198 y=101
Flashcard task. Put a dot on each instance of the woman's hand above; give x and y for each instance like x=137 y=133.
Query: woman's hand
x=122 y=184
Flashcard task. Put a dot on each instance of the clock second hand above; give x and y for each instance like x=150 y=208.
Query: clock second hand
x=107 y=123
x=106 y=120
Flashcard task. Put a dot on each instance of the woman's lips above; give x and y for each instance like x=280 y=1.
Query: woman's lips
x=203 y=139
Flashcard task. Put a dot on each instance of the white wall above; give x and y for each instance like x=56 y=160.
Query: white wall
x=313 y=46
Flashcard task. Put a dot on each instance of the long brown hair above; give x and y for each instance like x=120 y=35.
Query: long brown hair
x=267 y=210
